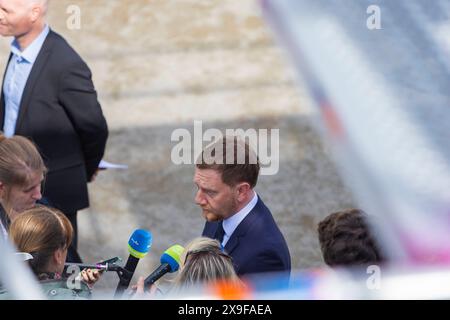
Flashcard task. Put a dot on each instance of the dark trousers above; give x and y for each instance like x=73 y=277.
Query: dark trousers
x=72 y=253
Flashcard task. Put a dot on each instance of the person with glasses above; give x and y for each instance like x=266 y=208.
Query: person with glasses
x=45 y=234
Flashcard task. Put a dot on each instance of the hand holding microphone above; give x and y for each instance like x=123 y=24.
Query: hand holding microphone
x=170 y=262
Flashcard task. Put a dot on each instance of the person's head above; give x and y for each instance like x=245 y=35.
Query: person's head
x=346 y=240
x=22 y=172
x=203 y=261
x=225 y=175
x=46 y=234
x=21 y=17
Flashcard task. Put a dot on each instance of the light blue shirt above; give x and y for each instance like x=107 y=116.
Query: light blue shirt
x=230 y=224
x=17 y=74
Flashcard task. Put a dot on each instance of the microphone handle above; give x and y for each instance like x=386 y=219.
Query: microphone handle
x=158 y=273
x=125 y=277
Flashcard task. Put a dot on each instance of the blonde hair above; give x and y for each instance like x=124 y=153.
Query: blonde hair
x=204 y=261
x=41 y=231
x=19 y=159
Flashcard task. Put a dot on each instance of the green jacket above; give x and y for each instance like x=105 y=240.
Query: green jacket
x=59 y=290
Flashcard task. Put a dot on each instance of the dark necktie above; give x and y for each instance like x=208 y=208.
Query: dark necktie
x=220 y=232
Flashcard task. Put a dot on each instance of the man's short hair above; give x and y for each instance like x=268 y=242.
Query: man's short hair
x=345 y=239
x=233 y=158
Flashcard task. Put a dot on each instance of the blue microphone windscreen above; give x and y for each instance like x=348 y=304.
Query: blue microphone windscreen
x=140 y=243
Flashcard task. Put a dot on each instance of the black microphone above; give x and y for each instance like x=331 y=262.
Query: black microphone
x=170 y=262
x=138 y=246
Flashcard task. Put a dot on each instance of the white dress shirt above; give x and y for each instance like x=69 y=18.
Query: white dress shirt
x=3 y=232
x=17 y=73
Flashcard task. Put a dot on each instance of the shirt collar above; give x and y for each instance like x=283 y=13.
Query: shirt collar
x=31 y=52
x=230 y=224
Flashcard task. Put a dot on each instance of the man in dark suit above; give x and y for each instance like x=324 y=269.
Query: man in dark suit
x=48 y=96
x=235 y=214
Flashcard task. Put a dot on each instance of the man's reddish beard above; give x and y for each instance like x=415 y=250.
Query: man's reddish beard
x=5 y=28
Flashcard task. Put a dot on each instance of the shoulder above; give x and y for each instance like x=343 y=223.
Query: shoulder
x=209 y=229
x=56 y=290
x=263 y=231
x=62 y=50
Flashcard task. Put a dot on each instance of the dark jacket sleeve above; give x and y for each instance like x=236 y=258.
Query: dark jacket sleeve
x=78 y=97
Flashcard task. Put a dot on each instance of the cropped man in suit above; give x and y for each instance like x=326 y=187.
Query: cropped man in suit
x=48 y=96
x=235 y=214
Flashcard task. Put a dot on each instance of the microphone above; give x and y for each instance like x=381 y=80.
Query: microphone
x=138 y=246
x=106 y=265
x=170 y=262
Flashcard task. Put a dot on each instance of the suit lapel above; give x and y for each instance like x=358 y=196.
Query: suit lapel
x=2 y=97
x=33 y=78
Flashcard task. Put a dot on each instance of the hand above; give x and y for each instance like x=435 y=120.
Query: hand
x=90 y=276
x=140 y=292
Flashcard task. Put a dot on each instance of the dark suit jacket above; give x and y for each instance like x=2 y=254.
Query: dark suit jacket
x=4 y=219
x=60 y=113
x=257 y=244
